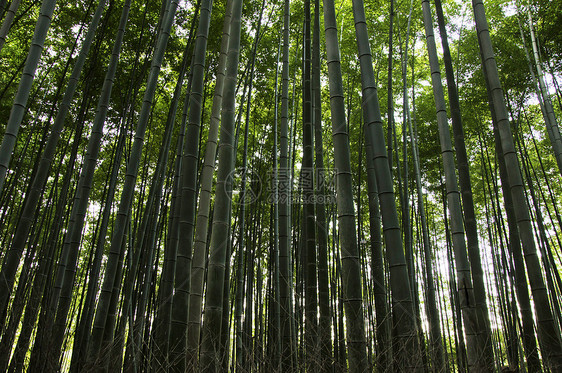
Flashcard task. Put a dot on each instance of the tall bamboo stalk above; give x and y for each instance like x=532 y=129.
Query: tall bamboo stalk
x=210 y=348
x=285 y=278
x=351 y=267
x=106 y=306
x=20 y=102
x=464 y=277
x=547 y=331
x=403 y=308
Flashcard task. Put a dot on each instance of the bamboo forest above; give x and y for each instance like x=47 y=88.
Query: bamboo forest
x=280 y=186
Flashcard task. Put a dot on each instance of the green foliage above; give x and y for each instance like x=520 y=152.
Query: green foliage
x=66 y=35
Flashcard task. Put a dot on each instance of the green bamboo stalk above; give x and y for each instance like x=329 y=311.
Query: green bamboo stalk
x=202 y=221
x=285 y=280
x=178 y=332
x=214 y=307
x=436 y=343
x=7 y=23
x=351 y=270
x=549 y=338
x=20 y=102
x=552 y=126
x=117 y=247
x=403 y=308
x=473 y=328
x=21 y=235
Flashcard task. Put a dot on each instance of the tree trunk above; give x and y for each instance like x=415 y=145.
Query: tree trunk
x=547 y=330
x=214 y=307
x=464 y=279
x=351 y=267
x=403 y=308
x=105 y=306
